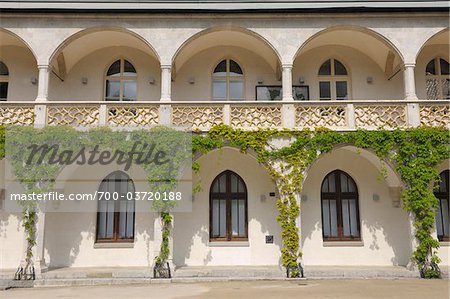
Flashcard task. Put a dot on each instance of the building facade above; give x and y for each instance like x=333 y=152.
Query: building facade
x=344 y=66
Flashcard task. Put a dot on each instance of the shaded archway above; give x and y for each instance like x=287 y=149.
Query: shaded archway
x=21 y=63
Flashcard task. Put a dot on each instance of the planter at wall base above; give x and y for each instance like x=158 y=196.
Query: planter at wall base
x=296 y=272
x=162 y=271
x=26 y=273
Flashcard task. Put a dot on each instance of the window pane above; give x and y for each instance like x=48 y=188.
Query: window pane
x=445 y=220
x=219 y=218
x=331 y=182
x=444 y=67
x=234 y=183
x=3 y=69
x=326 y=218
x=130 y=219
x=234 y=217
x=3 y=90
x=101 y=231
x=123 y=219
x=325 y=69
x=221 y=68
x=446 y=88
x=129 y=69
x=235 y=69
x=110 y=219
x=333 y=214
x=112 y=89
x=345 y=217
x=339 y=68
x=439 y=224
x=114 y=69
x=341 y=90
x=236 y=90
x=431 y=68
x=129 y=90
x=241 y=217
x=324 y=90
x=219 y=89
x=432 y=89
x=353 y=219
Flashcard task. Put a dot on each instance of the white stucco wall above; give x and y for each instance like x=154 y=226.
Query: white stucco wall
x=22 y=69
x=94 y=67
x=359 y=67
x=385 y=230
x=191 y=230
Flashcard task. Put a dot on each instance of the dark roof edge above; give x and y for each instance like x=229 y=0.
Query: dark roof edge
x=228 y=11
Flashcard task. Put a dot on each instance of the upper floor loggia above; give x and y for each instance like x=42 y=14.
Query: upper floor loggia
x=341 y=77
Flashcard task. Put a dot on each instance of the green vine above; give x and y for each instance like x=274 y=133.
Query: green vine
x=415 y=154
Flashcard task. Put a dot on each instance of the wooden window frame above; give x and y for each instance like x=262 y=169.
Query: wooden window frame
x=121 y=79
x=227 y=79
x=438 y=76
x=5 y=79
x=338 y=195
x=444 y=196
x=332 y=79
x=228 y=195
x=116 y=219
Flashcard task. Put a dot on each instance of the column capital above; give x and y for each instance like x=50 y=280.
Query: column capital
x=409 y=64
x=286 y=65
x=166 y=66
x=43 y=66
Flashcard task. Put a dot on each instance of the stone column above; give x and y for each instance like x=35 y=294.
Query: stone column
x=44 y=71
x=409 y=82
x=166 y=82
x=287 y=82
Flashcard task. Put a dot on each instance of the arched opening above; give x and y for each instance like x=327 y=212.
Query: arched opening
x=116 y=209
x=228 y=208
x=194 y=65
x=432 y=68
x=372 y=62
x=340 y=207
x=333 y=80
x=81 y=63
x=18 y=69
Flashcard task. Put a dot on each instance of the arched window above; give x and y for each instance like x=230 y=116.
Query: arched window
x=115 y=214
x=228 y=81
x=121 y=81
x=228 y=208
x=442 y=213
x=340 y=211
x=4 y=79
x=333 y=81
x=438 y=79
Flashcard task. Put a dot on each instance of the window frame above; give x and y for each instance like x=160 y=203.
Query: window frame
x=438 y=76
x=337 y=195
x=5 y=79
x=332 y=79
x=444 y=196
x=116 y=218
x=228 y=197
x=227 y=79
x=121 y=78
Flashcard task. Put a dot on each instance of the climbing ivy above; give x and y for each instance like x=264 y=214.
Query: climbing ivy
x=39 y=177
x=415 y=153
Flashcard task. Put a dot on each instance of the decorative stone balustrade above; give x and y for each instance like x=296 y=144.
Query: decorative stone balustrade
x=201 y=116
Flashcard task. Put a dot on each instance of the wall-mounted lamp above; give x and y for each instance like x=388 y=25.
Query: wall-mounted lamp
x=301 y=80
x=84 y=81
x=34 y=81
x=152 y=81
x=191 y=80
x=375 y=197
x=260 y=81
x=369 y=80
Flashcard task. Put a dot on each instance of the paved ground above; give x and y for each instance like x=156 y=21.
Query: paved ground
x=349 y=289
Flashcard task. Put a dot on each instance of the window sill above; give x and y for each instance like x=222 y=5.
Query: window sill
x=229 y=244
x=444 y=243
x=114 y=245
x=343 y=244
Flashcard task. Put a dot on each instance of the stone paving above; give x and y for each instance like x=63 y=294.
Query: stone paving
x=311 y=289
